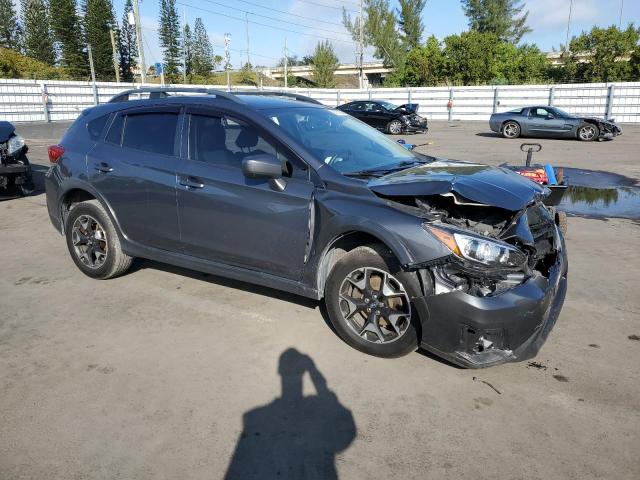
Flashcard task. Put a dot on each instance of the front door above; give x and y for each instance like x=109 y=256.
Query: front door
x=134 y=168
x=229 y=218
x=543 y=122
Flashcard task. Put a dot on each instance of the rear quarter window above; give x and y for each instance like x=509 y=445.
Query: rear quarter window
x=96 y=126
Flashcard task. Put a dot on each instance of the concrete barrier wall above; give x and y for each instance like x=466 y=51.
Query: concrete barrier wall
x=49 y=100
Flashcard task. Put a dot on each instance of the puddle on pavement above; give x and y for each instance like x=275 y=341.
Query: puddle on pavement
x=599 y=194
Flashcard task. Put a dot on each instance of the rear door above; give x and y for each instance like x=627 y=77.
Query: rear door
x=229 y=218
x=134 y=168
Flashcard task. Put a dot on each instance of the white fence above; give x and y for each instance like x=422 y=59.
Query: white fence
x=49 y=100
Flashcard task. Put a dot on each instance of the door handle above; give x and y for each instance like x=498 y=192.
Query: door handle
x=190 y=183
x=103 y=167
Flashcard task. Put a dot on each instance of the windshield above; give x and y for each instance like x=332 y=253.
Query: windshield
x=341 y=141
x=388 y=105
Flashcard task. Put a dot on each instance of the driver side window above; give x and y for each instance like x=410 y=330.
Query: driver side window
x=540 y=112
x=224 y=141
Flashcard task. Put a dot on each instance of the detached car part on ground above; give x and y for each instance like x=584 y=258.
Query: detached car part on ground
x=387 y=117
x=545 y=121
x=405 y=250
x=15 y=170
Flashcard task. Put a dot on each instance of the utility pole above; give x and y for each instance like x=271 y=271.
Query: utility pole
x=93 y=75
x=93 y=72
x=566 y=43
x=116 y=67
x=227 y=58
x=143 y=66
x=360 y=49
x=286 y=61
x=620 y=21
x=246 y=17
x=184 y=45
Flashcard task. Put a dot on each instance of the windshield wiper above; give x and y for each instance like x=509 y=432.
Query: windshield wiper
x=383 y=171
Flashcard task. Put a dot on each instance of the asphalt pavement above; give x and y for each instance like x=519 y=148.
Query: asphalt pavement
x=170 y=373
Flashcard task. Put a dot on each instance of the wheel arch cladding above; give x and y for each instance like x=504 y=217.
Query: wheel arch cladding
x=81 y=192
x=339 y=246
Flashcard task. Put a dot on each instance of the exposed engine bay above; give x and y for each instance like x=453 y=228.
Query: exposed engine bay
x=531 y=230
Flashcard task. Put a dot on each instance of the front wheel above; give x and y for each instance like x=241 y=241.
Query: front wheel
x=587 y=132
x=368 y=301
x=93 y=242
x=394 y=127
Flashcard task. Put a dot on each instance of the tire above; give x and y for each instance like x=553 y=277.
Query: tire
x=353 y=323
x=588 y=132
x=561 y=221
x=394 y=127
x=93 y=242
x=511 y=129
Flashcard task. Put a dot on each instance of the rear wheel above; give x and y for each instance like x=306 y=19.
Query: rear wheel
x=587 y=132
x=368 y=301
x=394 y=127
x=511 y=130
x=93 y=242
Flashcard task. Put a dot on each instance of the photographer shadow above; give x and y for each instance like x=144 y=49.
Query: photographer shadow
x=294 y=436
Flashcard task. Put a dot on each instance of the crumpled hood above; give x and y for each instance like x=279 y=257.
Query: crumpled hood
x=408 y=107
x=476 y=183
x=6 y=130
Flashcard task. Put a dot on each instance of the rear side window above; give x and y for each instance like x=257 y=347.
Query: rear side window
x=96 y=126
x=151 y=132
x=114 y=135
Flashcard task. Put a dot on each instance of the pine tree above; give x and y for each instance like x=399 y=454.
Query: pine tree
x=37 y=32
x=325 y=63
x=98 y=21
x=10 y=31
x=170 y=37
x=67 y=34
x=410 y=21
x=128 y=46
x=503 y=18
x=202 y=50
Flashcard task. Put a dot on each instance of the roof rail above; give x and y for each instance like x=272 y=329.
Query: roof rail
x=161 y=92
x=275 y=93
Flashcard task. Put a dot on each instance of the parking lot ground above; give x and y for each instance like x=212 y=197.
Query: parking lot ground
x=169 y=373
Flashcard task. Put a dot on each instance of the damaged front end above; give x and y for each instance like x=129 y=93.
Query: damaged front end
x=495 y=298
x=15 y=170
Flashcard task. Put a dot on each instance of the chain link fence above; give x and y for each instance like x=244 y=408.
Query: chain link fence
x=49 y=100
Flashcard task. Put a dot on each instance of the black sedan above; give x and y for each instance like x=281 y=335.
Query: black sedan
x=545 y=121
x=386 y=116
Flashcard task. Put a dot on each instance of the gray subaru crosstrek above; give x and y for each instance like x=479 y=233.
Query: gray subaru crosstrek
x=405 y=250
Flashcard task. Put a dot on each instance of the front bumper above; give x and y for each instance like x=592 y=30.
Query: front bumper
x=610 y=133
x=14 y=169
x=516 y=323
x=411 y=128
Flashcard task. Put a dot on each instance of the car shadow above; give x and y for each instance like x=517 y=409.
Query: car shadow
x=141 y=264
x=488 y=134
x=294 y=436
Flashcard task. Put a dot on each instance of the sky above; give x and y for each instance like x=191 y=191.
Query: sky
x=310 y=21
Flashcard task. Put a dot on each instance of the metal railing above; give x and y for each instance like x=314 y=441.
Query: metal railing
x=38 y=101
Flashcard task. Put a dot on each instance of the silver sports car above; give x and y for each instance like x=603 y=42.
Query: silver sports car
x=545 y=121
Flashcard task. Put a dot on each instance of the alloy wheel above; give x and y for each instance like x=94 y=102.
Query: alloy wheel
x=511 y=130
x=89 y=241
x=395 y=127
x=375 y=305
x=588 y=132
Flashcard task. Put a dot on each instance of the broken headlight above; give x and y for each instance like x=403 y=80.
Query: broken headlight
x=479 y=249
x=15 y=144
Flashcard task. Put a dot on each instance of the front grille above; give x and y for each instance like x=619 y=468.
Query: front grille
x=3 y=154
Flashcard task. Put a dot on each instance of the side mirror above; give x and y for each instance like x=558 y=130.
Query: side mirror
x=261 y=166
x=550 y=116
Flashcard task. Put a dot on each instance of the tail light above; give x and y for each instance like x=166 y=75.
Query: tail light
x=55 y=152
